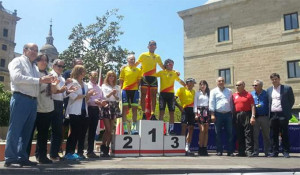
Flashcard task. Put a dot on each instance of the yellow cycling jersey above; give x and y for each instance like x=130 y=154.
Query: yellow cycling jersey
x=149 y=61
x=167 y=79
x=186 y=97
x=130 y=76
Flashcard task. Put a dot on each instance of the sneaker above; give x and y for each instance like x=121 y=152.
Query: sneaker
x=153 y=117
x=70 y=156
x=45 y=160
x=255 y=154
x=92 y=155
x=134 y=132
x=230 y=154
x=81 y=156
x=27 y=163
x=144 y=117
x=125 y=132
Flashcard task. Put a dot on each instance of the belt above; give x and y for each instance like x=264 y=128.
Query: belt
x=223 y=112
x=25 y=95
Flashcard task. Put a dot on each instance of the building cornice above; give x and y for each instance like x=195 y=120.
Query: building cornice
x=208 y=7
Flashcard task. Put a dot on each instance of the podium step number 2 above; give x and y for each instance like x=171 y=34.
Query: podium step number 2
x=151 y=133
x=125 y=145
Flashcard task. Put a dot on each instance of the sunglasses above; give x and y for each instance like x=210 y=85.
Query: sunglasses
x=238 y=85
x=60 y=66
x=254 y=85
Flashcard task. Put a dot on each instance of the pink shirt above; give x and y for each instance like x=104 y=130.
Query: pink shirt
x=276 y=103
x=98 y=95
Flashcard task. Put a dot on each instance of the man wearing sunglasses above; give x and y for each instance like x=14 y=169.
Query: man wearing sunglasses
x=261 y=118
x=245 y=119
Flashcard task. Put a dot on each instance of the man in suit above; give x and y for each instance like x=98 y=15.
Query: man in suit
x=281 y=101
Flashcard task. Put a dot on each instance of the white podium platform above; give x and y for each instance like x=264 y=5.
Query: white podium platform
x=174 y=145
x=151 y=133
x=125 y=145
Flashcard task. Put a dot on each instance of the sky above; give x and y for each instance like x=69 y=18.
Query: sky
x=144 y=20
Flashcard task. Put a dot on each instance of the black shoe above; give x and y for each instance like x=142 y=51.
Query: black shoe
x=81 y=156
x=219 y=154
x=153 y=117
x=286 y=155
x=172 y=133
x=45 y=160
x=230 y=154
x=27 y=163
x=92 y=155
x=273 y=155
x=200 y=151
x=7 y=164
x=241 y=155
x=204 y=151
x=144 y=117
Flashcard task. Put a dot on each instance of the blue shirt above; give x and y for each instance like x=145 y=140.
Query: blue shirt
x=261 y=103
x=220 y=101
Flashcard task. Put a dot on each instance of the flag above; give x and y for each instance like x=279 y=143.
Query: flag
x=148 y=104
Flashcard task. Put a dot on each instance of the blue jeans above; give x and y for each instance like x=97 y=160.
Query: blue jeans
x=226 y=121
x=23 y=111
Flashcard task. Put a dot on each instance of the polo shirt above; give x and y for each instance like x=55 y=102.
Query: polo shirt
x=149 y=61
x=130 y=76
x=261 y=103
x=167 y=79
x=242 y=101
x=186 y=97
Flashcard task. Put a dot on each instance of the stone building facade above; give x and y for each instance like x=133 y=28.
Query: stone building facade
x=8 y=22
x=243 y=40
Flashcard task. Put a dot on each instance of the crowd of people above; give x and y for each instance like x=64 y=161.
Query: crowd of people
x=58 y=99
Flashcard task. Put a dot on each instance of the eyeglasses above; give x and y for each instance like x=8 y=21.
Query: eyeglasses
x=220 y=81
x=238 y=85
x=32 y=50
x=60 y=66
x=254 y=85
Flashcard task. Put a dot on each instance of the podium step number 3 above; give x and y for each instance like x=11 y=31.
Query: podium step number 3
x=174 y=145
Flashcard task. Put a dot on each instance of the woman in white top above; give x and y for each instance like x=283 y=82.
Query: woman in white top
x=78 y=113
x=202 y=116
x=45 y=111
x=111 y=111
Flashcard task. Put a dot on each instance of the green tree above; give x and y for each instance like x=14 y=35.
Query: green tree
x=96 y=44
x=4 y=106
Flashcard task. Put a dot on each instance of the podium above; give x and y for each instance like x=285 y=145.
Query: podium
x=174 y=145
x=151 y=133
x=125 y=145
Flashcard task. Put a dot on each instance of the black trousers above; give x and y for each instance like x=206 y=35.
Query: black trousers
x=78 y=125
x=279 y=124
x=92 y=124
x=56 y=125
x=244 y=132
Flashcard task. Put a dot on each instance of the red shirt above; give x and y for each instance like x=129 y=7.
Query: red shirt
x=242 y=101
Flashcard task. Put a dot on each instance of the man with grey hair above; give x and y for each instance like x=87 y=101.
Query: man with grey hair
x=261 y=117
x=25 y=82
x=221 y=107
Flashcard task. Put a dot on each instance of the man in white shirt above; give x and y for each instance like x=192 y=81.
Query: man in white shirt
x=24 y=76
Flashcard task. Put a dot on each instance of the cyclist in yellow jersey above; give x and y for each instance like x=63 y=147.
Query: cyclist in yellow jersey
x=130 y=77
x=166 y=95
x=186 y=96
x=148 y=60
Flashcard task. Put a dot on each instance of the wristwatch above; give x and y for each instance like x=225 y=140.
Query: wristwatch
x=253 y=116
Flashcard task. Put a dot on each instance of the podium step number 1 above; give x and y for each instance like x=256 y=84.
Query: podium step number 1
x=151 y=133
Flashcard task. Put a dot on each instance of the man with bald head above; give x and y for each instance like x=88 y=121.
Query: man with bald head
x=25 y=80
x=220 y=105
x=245 y=119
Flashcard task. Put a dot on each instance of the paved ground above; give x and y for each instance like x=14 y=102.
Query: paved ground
x=164 y=165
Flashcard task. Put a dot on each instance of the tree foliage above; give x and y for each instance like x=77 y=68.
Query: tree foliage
x=96 y=44
x=4 y=106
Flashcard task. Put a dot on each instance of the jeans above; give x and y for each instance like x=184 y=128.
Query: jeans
x=56 y=125
x=93 y=112
x=22 y=118
x=223 y=119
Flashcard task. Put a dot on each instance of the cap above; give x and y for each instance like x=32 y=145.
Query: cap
x=190 y=80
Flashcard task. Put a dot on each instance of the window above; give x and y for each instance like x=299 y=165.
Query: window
x=2 y=63
x=223 y=34
x=225 y=73
x=1 y=78
x=5 y=32
x=4 y=47
x=293 y=69
x=291 y=21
